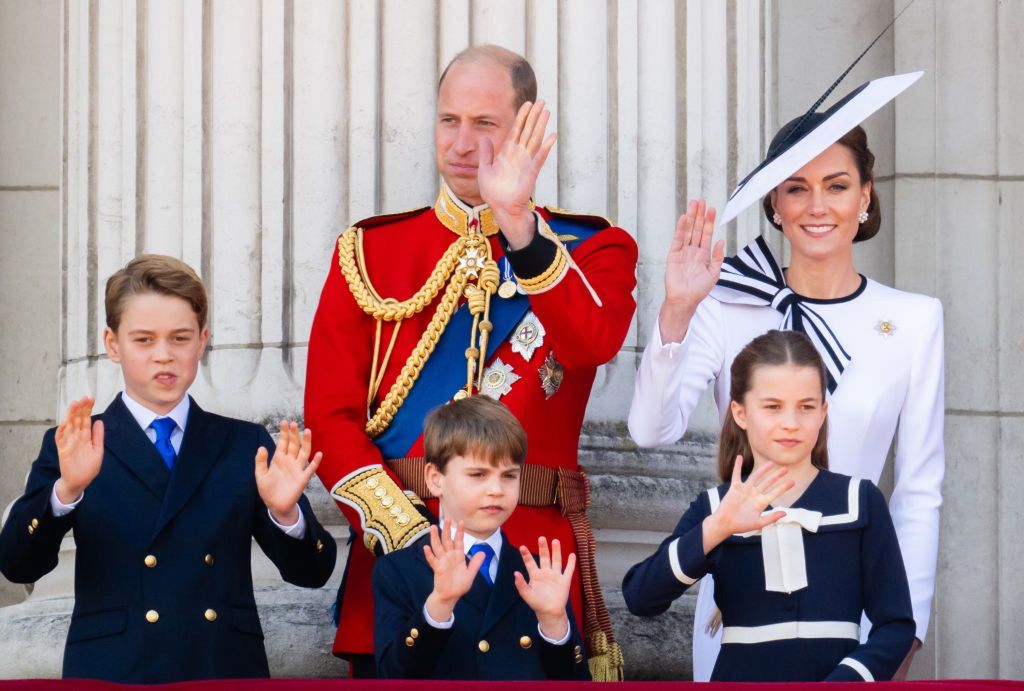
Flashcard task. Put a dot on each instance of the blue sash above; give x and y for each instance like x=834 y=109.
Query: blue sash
x=444 y=373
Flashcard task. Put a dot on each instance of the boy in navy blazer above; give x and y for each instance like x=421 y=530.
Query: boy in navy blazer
x=164 y=500
x=456 y=603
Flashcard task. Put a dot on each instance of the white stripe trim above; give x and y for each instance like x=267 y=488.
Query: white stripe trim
x=673 y=561
x=858 y=667
x=714 y=499
x=791 y=629
x=852 y=506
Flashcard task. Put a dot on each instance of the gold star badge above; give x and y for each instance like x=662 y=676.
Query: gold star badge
x=885 y=328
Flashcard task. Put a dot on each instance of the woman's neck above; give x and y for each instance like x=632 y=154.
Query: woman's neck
x=822 y=280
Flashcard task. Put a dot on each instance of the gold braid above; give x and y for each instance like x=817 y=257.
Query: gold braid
x=446 y=271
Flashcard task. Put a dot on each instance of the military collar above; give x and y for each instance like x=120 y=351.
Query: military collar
x=457 y=217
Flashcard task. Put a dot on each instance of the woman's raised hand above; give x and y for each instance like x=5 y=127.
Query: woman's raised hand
x=692 y=268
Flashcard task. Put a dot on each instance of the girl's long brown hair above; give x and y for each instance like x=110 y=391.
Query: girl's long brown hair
x=770 y=349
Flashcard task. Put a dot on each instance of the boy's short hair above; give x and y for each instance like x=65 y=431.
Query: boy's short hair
x=154 y=273
x=477 y=425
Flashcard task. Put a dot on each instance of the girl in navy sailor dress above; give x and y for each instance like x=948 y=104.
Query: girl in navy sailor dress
x=797 y=552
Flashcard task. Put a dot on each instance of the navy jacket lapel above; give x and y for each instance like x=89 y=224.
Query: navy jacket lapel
x=128 y=443
x=504 y=593
x=200 y=448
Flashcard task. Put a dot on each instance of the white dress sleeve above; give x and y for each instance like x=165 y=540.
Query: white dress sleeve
x=673 y=376
x=919 y=467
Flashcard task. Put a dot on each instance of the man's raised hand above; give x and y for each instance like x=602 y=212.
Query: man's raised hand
x=507 y=177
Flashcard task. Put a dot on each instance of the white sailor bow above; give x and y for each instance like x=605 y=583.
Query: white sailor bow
x=782 y=549
x=754 y=277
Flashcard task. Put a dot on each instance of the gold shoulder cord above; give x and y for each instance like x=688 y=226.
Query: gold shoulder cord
x=467 y=257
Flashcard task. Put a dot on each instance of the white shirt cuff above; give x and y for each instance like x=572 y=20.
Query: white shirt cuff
x=667 y=351
x=296 y=530
x=562 y=641
x=438 y=624
x=59 y=508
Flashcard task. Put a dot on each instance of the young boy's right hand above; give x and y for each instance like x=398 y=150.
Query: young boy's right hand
x=79 y=450
x=453 y=576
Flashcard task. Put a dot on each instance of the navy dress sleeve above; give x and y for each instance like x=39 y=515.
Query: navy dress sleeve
x=650 y=586
x=886 y=599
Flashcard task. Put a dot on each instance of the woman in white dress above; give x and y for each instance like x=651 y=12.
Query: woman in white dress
x=883 y=346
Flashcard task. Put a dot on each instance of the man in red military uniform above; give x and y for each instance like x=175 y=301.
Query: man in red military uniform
x=483 y=293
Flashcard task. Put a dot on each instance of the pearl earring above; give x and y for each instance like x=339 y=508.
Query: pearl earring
x=776 y=219
x=862 y=217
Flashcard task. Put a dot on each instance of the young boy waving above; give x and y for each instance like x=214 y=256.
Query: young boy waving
x=164 y=499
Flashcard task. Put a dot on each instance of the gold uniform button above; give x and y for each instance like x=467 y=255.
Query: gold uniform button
x=35 y=522
x=395 y=510
x=409 y=641
x=525 y=642
x=387 y=501
x=379 y=492
x=483 y=646
x=577 y=650
x=149 y=561
x=152 y=616
x=403 y=519
x=210 y=614
x=372 y=483
x=208 y=560
x=579 y=659
x=31 y=529
x=319 y=546
x=415 y=633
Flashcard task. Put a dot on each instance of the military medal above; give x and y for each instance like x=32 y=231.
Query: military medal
x=508 y=287
x=528 y=336
x=498 y=379
x=551 y=374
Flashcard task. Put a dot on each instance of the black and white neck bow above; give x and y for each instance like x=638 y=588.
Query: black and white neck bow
x=754 y=277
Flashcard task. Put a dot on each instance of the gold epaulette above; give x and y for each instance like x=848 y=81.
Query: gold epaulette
x=388 y=515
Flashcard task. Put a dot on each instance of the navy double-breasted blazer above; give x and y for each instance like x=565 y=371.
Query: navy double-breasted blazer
x=163 y=581
x=494 y=636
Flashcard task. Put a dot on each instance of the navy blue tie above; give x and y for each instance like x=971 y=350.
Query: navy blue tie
x=488 y=552
x=163 y=426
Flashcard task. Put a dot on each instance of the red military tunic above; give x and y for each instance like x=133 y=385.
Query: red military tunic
x=583 y=299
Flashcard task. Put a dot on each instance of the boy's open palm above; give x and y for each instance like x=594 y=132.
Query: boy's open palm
x=547 y=590
x=79 y=450
x=282 y=481
x=453 y=575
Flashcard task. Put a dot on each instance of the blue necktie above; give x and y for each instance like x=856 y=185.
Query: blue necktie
x=163 y=427
x=488 y=552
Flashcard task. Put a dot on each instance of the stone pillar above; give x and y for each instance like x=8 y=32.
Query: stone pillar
x=958 y=177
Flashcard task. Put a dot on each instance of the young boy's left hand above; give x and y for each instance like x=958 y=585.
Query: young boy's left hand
x=547 y=591
x=282 y=482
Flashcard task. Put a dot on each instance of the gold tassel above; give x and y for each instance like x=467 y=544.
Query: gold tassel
x=605 y=661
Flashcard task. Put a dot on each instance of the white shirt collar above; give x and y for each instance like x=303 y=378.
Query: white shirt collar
x=144 y=416
x=494 y=540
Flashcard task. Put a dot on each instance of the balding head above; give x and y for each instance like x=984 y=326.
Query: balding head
x=524 y=81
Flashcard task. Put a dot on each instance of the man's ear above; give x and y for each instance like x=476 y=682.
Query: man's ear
x=435 y=479
x=110 y=343
x=739 y=414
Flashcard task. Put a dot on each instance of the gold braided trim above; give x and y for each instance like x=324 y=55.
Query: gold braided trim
x=455 y=218
x=388 y=516
x=552 y=275
x=388 y=309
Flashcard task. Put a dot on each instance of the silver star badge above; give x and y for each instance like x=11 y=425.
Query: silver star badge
x=528 y=336
x=472 y=261
x=498 y=379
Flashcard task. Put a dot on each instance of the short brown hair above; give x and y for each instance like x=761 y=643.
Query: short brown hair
x=524 y=81
x=477 y=425
x=768 y=349
x=856 y=141
x=154 y=273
